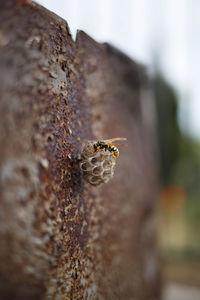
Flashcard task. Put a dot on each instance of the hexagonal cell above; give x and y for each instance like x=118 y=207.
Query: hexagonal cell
x=94 y=160
x=95 y=180
x=85 y=166
x=106 y=164
x=87 y=150
x=106 y=174
x=97 y=170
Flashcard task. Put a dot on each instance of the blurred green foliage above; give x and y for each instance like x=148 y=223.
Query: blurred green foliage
x=179 y=152
x=167 y=126
x=186 y=172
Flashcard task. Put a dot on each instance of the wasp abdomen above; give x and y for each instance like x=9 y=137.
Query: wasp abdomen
x=113 y=150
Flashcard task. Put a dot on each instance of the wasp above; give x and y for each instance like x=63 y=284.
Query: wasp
x=108 y=145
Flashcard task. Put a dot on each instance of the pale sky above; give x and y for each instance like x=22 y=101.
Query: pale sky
x=141 y=28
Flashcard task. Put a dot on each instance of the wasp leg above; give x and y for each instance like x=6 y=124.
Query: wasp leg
x=113 y=157
x=92 y=149
x=104 y=150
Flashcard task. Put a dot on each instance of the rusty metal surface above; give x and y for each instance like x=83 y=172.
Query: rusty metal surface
x=127 y=252
x=60 y=237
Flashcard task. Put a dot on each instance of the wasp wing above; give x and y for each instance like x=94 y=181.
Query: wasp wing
x=115 y=139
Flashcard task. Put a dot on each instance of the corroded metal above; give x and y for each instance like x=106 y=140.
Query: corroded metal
x=61 y=238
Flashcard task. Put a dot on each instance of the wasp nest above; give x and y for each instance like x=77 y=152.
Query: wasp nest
x=97 y=167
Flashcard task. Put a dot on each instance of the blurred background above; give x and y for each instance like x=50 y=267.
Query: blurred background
x=164 y=35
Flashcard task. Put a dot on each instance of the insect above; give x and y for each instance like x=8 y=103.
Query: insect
x=108 y=145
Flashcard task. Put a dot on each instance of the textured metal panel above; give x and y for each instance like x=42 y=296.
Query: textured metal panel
x=61 y=238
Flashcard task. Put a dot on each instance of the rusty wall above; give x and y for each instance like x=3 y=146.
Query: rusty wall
x=62 y=238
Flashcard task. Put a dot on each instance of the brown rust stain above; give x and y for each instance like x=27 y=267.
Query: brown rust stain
x=50 y=118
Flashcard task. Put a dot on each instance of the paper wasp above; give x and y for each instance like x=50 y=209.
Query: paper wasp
x=108 y=145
